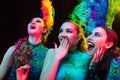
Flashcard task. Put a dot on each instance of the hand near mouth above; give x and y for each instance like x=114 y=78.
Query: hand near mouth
x=98 y=56
x=61 y=51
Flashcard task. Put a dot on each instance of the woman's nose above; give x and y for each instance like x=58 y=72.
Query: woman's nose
x=63 y=34
x=89 y=37
x=33 y=22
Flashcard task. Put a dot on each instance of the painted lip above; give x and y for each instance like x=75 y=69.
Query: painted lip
x=91 y=45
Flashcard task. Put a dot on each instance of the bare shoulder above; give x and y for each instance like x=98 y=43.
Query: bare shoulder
x=50 y=52
x=4 y=66
x=10 y=50
x=7 y=55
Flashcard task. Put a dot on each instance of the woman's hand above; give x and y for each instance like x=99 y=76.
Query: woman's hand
x=62 y=50
x=98 y=56
x=53 y=59
x=22 y=72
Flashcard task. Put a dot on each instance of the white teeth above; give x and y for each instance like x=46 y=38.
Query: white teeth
x=90 y=43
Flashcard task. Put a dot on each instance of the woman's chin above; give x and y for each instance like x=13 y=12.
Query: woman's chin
x=91 y=51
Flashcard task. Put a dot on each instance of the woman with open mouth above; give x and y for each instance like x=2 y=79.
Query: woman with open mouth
x=24 y=60
x=102 y=44
x=70 y=60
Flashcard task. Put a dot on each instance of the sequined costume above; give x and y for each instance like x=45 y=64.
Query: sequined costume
x=74 y=66
x=38 y=53
x=114 y=71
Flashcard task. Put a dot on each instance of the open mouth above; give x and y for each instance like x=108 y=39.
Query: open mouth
x=32 y=27
x=90 y=45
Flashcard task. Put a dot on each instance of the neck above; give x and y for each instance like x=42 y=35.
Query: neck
x=72 y=48
x=34 y=39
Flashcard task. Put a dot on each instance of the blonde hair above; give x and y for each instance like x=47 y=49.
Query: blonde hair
x=82 y=43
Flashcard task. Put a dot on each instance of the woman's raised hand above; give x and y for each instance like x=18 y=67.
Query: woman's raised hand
x=22 y=72
x=98 y=56
x=61 y=51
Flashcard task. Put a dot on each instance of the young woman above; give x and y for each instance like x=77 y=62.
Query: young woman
x=102 y=45
x=30 y=50
x=25 y=58
x=69 y=61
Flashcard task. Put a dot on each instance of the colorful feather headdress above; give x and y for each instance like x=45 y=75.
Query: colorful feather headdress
x=90 y=13
x=113 y=9
x=48 y=13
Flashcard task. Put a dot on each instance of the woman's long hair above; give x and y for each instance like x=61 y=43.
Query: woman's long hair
x=104 y=64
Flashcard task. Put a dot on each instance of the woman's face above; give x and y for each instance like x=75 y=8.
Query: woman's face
x=69 y=30
x=36 y=26
x=98 y=39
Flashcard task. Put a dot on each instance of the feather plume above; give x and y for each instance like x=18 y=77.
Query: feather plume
x=48 y=13
x=113 y=9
